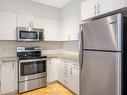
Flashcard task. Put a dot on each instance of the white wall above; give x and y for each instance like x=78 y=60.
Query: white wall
x=30 y=7
x=70 y=9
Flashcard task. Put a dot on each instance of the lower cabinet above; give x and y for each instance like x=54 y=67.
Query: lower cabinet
x=9 y=77
x=65 y=71
x=52 y=69
x=70 y=74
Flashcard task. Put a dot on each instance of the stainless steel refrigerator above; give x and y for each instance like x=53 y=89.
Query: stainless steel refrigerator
x=101 y=56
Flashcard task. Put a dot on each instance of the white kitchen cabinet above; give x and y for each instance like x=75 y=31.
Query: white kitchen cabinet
x=92 y=8
x=9 y=77
x=8 y=25
x=52 y=69
x=29 y=21
x=71 y=75
x=51 y=27
x=70 y=28
x=88 y=9
x=52 y=30
x=75 y=79
x=24 y=20
x=60 y=70
x=105 y=6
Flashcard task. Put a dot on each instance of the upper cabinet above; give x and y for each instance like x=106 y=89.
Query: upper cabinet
x=88 y=9
x=8 y=25
x=105 y=6
x=92 y=8
x=51 y=27
x=51 y=30
x=70 y=28
x=29 y=21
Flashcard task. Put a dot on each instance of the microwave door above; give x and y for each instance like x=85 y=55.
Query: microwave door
x=103 y=34
x=28 y=35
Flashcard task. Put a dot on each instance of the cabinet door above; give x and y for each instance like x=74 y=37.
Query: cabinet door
x=38 y=22
x=52 y=69
x=8 y=25
x=75 y=78
x=110 y=5
x=8 y=77
x=60 y=70
x=70 y=27
x=24 y=20
x=65 y=28
x=51 y=30
x=88 y=9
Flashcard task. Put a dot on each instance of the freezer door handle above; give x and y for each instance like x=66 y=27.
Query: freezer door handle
x=81 y=47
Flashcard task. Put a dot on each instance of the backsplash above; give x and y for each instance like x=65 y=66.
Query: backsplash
x=8 y=48
x=71 y=47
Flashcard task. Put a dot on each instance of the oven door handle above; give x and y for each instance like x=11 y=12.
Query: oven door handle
x=32 y=60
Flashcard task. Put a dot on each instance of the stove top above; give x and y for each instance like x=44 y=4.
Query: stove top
x=29 y=53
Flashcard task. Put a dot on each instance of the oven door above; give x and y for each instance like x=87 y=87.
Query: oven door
x=32 y=69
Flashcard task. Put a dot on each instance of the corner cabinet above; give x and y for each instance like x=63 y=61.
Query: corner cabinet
x=9 y=77
x=51 y=30
x=92 y=8
x=7 y=25
x=70 y=75
x=70 y=27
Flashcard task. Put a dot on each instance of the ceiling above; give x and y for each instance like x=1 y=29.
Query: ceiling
x=53 y=3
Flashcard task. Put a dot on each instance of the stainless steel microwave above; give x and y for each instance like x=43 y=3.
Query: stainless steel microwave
x=29 y=34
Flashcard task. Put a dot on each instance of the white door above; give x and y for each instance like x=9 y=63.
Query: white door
x=8 y=77
x=110 y=5
x=7 y=25
x=88 y=9
x=52 y=70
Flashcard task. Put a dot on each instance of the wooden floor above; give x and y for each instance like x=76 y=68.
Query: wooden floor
x=53 y=89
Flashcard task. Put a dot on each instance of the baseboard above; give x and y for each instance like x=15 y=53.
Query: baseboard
x=10 y=93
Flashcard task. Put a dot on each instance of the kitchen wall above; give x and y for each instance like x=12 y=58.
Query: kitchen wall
x=31 y=8
x=8 y=48
x=71 y=47
x=70 y=9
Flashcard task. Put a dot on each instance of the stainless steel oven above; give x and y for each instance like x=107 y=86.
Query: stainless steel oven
x=32 y=69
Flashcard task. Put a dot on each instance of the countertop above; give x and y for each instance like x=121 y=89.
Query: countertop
x=71 y=57
x=65 y=56
x=8 y=59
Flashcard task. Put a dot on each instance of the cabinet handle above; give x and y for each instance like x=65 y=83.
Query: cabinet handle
x=95 y=9
x=31 y=24
x=13 y=63
x=99 y=8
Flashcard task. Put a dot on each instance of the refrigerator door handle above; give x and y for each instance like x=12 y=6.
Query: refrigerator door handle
x=81 y=47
